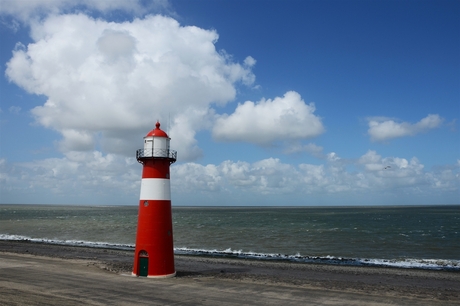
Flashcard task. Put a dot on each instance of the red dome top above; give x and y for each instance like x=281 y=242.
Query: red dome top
x=157 y=132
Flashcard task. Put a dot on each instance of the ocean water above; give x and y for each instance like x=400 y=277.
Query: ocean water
x=426 y=237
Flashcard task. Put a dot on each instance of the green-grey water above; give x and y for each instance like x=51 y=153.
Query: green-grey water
x=424 y=236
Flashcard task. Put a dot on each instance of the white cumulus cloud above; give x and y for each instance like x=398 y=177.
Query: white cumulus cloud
x=381 y=129
x=107 y=83
x=264 y=122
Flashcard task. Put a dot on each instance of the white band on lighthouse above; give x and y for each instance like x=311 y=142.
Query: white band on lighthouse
x=155 y=189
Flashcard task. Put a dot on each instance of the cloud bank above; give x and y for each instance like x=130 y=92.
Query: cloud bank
x=88 y=177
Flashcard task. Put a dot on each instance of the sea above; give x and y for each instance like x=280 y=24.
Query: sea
x=421 y=237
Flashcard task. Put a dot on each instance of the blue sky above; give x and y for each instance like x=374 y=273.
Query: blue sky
x=266 y=102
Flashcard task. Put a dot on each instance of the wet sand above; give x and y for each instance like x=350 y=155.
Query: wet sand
x=43 y=274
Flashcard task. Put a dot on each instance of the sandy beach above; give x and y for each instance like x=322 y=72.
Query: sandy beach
x=43 y=274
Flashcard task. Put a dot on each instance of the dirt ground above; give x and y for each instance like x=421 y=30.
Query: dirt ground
x=43 y=274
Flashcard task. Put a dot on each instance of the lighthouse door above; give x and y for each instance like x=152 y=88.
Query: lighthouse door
x=143 y=266
x=143 y=263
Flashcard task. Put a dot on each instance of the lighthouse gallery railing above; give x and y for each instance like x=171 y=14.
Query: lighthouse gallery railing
x=160 y=153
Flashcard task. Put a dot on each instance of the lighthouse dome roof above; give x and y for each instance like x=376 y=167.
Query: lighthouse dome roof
x=157 y=132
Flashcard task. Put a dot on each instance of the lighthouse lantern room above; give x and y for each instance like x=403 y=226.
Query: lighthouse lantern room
x=154 y=252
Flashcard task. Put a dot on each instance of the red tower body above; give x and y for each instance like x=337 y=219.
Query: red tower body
x=154 y=254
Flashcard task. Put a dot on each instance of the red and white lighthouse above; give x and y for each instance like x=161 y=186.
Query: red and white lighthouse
x=154 y=254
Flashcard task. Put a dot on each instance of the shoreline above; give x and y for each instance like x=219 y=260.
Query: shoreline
x=384 y=284
x=418 y=264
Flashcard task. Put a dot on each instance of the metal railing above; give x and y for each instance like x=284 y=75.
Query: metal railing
x=156 y=153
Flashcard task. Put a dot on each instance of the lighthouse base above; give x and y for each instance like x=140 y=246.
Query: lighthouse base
x=155 y=276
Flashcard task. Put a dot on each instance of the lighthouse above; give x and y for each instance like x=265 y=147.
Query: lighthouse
x=154 y=253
